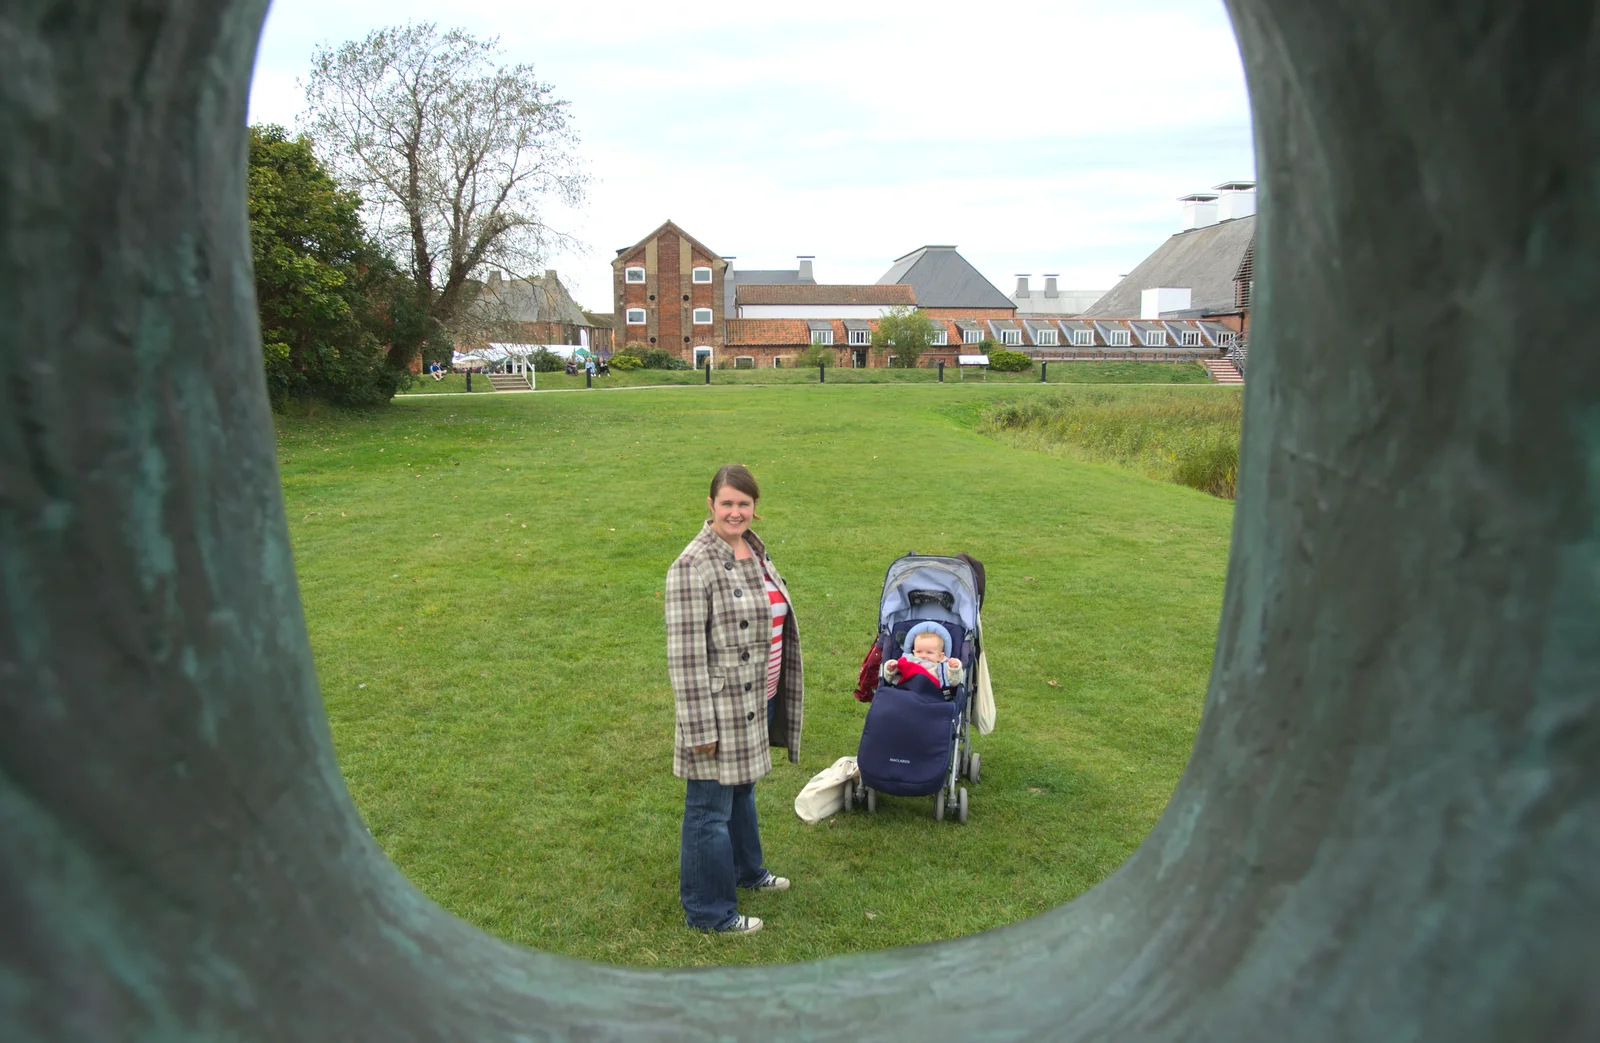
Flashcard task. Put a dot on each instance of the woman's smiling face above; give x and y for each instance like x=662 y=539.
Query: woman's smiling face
x=731 y=511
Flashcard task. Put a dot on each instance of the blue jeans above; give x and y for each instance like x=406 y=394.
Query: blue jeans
x=720 y=850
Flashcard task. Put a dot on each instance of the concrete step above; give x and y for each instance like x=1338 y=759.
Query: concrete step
x=508 y=382
x=1223 y=371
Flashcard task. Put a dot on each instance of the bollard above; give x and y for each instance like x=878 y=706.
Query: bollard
x=588 y=378
x=1043 y=366
x=708 y=371
x=469 y=380
x=941 y=371
x=822 y=374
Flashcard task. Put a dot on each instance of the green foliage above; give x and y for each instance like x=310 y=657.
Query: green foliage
x=544 y=360
x=661 y=358
x=903 y=333
x=625 y=362
x=1190 y=438
x=1004 y=361
x=328 y=297
x=813 y=356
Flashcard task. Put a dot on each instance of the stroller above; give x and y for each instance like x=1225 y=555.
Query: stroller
x=917 y=737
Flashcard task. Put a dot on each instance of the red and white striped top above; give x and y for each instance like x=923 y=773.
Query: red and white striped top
x=780 y=612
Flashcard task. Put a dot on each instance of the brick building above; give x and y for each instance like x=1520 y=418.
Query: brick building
x=535 y=310
x=668 y=292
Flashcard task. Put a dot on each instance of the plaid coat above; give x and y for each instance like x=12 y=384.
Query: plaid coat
x=719 y=638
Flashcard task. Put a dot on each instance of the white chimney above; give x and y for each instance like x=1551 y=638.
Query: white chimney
x=1022 y=287
x=1153 y=303
x=494 y=279
x=1199 y=209
x=1050 y=287
x=805 y=268
x=1236 y=199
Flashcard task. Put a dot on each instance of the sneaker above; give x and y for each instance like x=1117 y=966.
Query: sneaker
x=743 y=925
x=772 y=883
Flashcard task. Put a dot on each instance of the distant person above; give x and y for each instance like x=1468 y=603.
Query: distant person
x=588 y=364
x=572 y=368
x=733 y=657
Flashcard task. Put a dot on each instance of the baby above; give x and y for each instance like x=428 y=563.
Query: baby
x=927 y=652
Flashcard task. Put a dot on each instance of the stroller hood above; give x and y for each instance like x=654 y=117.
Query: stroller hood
x=953 y=576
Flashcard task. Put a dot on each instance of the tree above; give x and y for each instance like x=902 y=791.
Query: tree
x=324 y=289
x=455 y=155
x=903 y=334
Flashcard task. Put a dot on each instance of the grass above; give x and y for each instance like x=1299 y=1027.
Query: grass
x=1057 y=372
x=1191 y=439
x=481 y=580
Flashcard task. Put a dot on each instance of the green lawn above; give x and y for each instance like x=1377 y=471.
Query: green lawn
x=481 y=579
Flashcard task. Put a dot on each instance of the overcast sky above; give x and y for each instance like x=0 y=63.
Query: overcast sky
x=1035 y=137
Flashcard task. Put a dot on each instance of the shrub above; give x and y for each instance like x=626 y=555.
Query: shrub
x=626 y=362
x=546 y=361
x=1003 y=361
x=661 y=358
x=814 y=356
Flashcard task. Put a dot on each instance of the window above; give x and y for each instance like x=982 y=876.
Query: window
x=1155 y=339
x=702 y=316
x=822 y=336
x=744 y=362
x=702 y=275
x=1011 y=338
x=860 y=336
x=1227 y=340
x=1191 y=338
x=635 y=316
x=1117 y=338
x=1083 y=338
x=777 y=363
x=1045 y=338
x=971 y=336
x=633 y=275
x=702 y=356
x=941 y=336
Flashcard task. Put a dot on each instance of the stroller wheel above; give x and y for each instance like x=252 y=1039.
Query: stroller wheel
x=872 y=801
x=849 y=796
x=938 y=807
x=972 y=769
x=961 y=806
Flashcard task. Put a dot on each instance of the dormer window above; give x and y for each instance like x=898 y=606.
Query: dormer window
x=860 y=337
x=1155 y=339
x=941 y=336
x=1011 y=338
x=1045 y=338
x=822 y=336
x=633 y=275
x=1117 y=338
x=1083 y=338
x=971 y=336
x=1227 y=340
x=1191 y=338
x=702 y=275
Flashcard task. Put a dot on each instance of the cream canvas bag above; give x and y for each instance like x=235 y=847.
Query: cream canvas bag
x=824 y=794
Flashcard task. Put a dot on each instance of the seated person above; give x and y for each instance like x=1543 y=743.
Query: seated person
x=927 y=658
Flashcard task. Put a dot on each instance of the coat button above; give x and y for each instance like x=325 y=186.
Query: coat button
x=744 y=657
x=747 y=686
x=728 y=565
x=750 y=716
x=744 y=624
x=738 y=593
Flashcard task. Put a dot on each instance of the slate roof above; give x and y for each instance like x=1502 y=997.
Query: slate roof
x=603 y=320
x=944 y=279
x=802 y=293
x=1202 y=259
x=541 y=298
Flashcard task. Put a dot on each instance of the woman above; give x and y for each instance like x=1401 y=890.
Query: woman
x=733 y=655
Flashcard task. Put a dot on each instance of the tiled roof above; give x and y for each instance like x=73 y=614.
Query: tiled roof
x=756 y=332
x=944 y=279
x=801 y=293
x=1205 y=260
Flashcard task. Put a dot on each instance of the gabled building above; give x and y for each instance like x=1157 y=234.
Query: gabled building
x=668 y=291
x=947 y=285
x=535 y=310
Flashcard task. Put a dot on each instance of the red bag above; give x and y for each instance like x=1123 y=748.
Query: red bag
x=867 y=686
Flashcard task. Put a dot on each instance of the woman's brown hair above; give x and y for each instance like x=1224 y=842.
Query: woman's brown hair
x=738 y=476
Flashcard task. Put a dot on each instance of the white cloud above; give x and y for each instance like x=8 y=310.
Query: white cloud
x=1036 y=137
